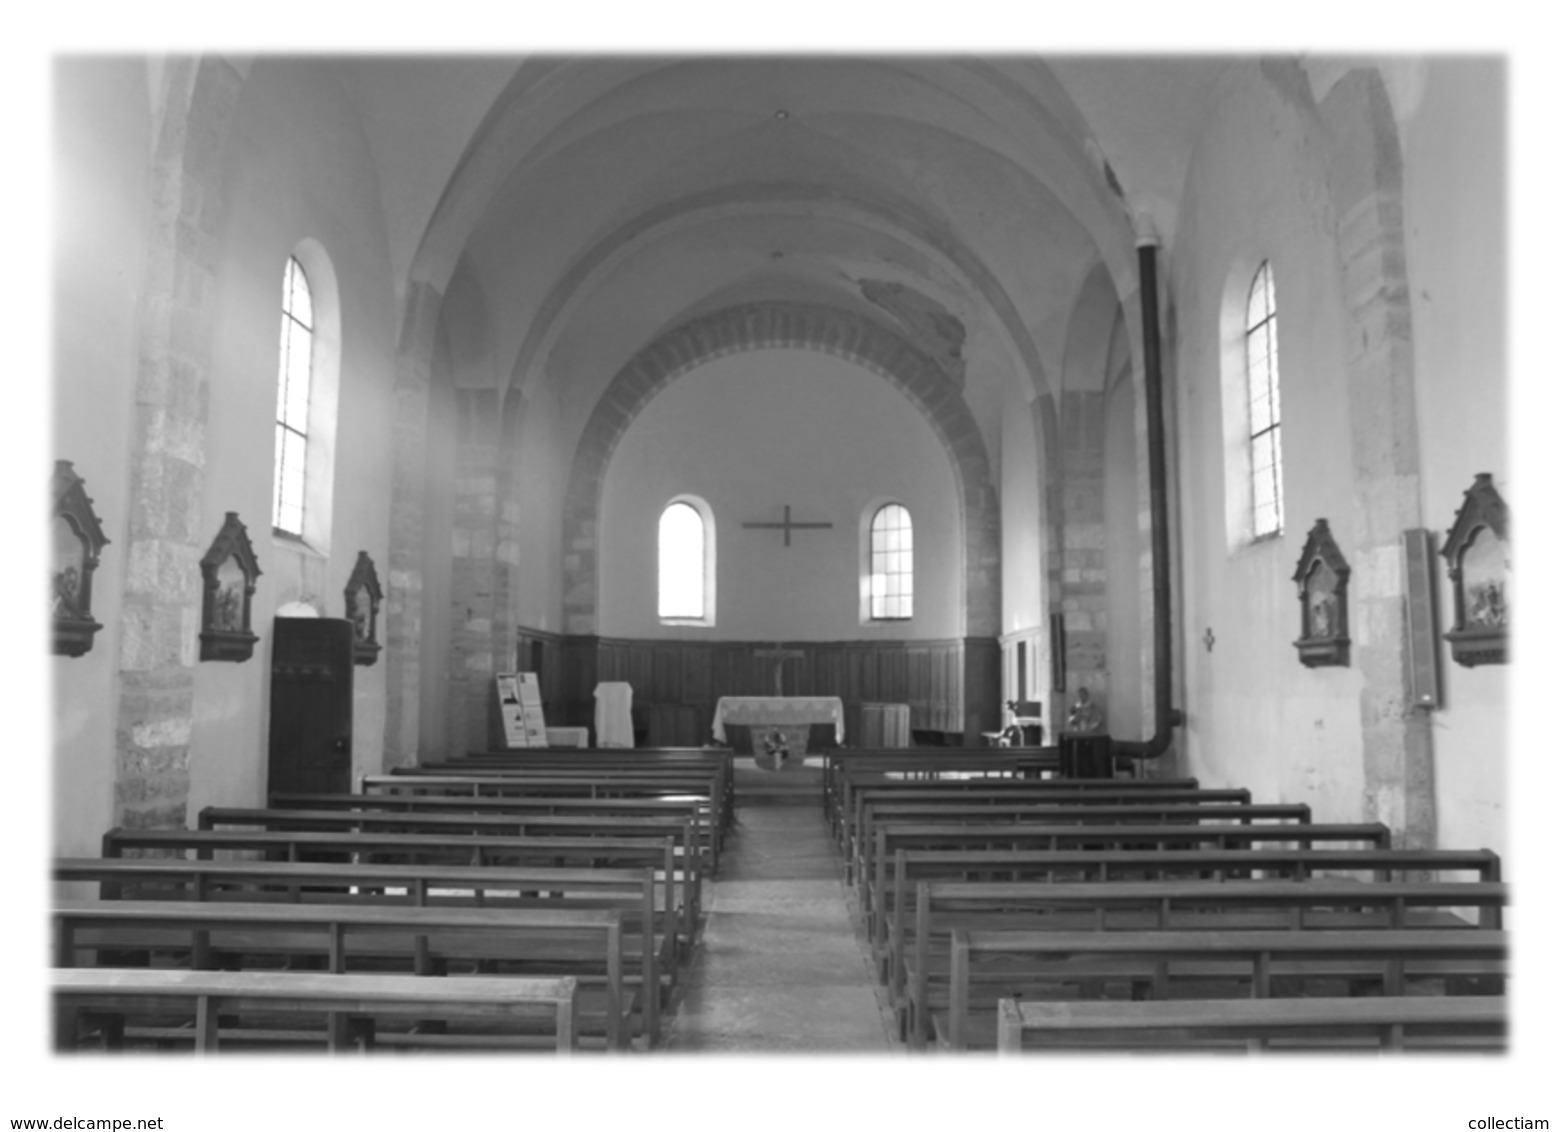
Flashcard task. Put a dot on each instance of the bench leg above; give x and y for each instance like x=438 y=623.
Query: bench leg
x=566 y=1039
x=343 y=1032
x=205 y=1024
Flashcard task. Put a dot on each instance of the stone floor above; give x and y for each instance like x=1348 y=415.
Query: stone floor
x=781 y=966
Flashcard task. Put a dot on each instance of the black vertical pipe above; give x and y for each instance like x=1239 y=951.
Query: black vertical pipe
x=1165 y=717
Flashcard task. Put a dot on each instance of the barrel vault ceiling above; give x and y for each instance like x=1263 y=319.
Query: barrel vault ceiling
x=570 y=209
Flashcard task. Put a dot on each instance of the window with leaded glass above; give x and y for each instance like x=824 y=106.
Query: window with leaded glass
x=1267 y=450
x=892 y=564
x=292 y=401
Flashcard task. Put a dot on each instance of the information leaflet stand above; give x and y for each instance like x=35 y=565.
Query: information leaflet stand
x=515 y=720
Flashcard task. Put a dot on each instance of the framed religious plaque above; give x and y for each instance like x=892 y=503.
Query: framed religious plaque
x=76 y=541
x=228 y=572
x=1323 y=579
x=1478 y=557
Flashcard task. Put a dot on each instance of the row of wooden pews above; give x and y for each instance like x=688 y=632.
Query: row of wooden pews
x=556 y=901
x=1006 y=905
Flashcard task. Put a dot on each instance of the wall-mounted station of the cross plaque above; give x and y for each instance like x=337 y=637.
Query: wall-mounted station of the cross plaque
x=1322 y=576
x=228 y=572
x=78 y=540
x=1479 y=566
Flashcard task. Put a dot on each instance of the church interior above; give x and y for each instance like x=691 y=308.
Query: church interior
x=1008 y=424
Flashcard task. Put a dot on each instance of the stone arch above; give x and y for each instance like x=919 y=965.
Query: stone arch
x=784 y=325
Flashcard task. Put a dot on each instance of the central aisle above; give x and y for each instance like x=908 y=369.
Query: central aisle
x=780 y=967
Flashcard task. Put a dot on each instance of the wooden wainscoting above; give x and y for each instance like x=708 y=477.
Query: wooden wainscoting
x=952 y=686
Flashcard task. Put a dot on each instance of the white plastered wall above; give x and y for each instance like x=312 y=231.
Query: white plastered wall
x=1257 y=191
x=299 y=169
x=750 y=433
x=102 y=139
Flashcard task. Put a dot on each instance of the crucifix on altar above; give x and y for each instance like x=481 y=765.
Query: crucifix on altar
x=787 y=526
x=779 y=656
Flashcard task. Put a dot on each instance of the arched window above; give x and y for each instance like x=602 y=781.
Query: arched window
x=891 y=567
x=1267 y=450
x=292 y=401
x=686 y=574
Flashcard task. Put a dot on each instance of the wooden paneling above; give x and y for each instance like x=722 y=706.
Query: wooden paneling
x=952 y=686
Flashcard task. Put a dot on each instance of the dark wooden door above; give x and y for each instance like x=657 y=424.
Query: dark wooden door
x=311 y=706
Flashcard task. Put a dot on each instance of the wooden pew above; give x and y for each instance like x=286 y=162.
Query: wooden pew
x=680 y=887
x=505 y=825
x=706 y=832
x=1067 y=959
x=856 y=790
x=707 y=782
x=850 y=777
x=889 y=837
x=919 y=961
x=943 y=763
x=871 y=811
x=352 y=1005
x=891 y=893
x=1438 y=1023
x=640 y=760
x=539 y=941
x=631 y=892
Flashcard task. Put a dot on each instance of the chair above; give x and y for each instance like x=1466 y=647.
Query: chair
x=1028 y=720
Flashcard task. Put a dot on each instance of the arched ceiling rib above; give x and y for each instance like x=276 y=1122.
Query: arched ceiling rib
x=580 y=205
x=446 y=130
x=704 y=102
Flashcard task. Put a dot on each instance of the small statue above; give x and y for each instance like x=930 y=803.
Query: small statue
x=1084 y=715
x=1322 y=605
x=67 y=584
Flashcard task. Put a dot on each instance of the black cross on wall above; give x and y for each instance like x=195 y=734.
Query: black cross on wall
x=787 y=526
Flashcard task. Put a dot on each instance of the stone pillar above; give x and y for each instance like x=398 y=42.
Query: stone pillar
x=1047 y=433
x=1366 y=187
x=408 y=485
x=162 y=600
x=478 y=580
x=1078 y=556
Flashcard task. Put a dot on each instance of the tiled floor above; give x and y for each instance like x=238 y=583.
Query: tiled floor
x=780 y=967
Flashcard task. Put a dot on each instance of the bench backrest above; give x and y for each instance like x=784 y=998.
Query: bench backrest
x=890 y=887
x=414 y=933
x=890 y=836
x=213 y=993
x=1477 y=1022
x=515 y=825
x=680 y=885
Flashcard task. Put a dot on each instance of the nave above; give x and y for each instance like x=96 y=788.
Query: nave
x=929 y=900
x=783 y=965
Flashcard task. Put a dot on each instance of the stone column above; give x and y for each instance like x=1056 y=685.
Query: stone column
x=162 y=600
x=1075 y=461
x=1366 y=186
x=479 y=581
x=408 y=484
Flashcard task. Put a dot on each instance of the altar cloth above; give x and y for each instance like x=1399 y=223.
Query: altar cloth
x=779 y=711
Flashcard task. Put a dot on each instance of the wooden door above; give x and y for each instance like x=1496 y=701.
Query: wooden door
x=311 y=706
